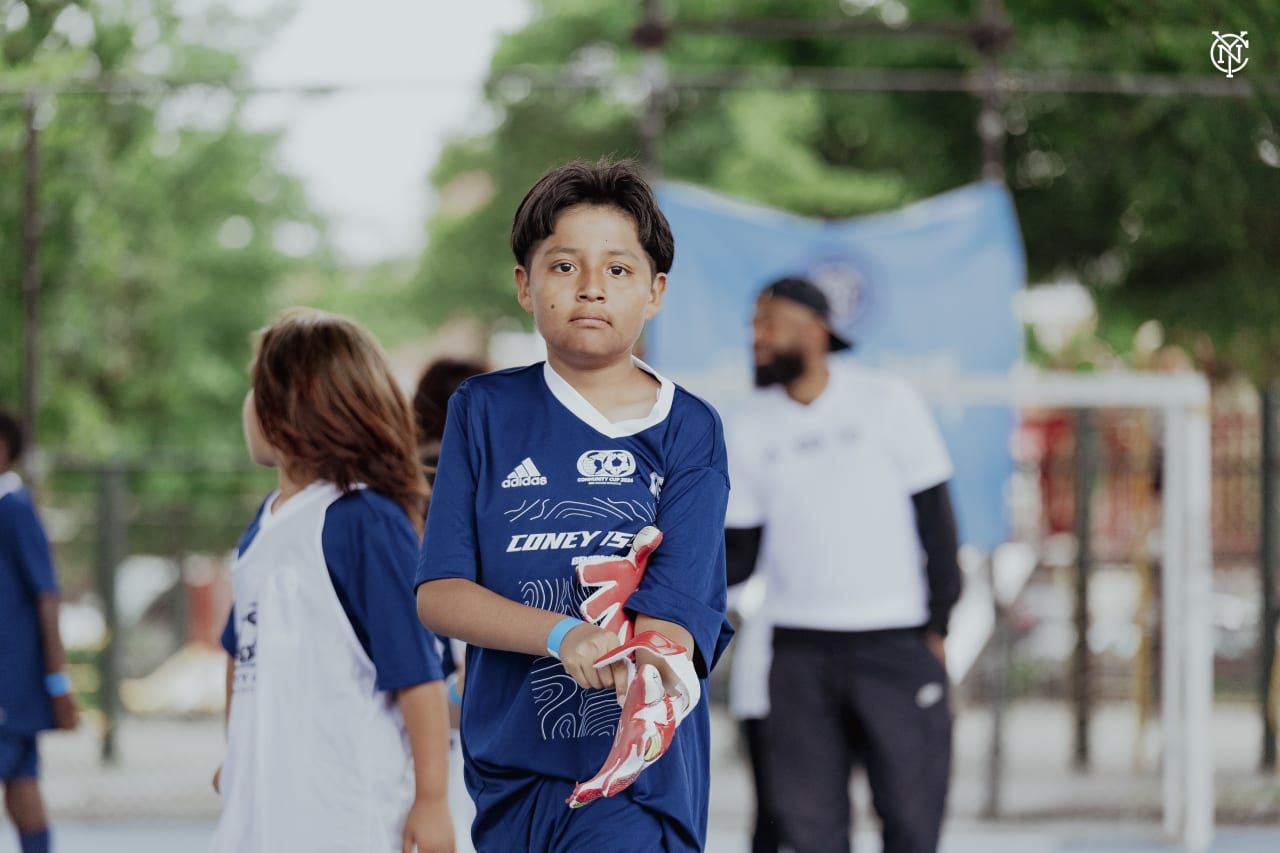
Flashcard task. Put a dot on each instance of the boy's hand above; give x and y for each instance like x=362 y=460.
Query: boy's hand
x=579 y=651
x=645 y=731
x=650 y=713
x=428 y=828
x=65 y=715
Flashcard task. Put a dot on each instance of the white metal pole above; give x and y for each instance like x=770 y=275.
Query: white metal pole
x=1187 y=573
x=1198 y=589
x=1172 y=722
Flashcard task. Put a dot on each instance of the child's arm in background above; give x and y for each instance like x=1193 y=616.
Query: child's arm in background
x=35 y=561
x=65 y=716
x=229 y=645
x=370 y=548
x=231 y=680
x=428 y=827
x=226 y=719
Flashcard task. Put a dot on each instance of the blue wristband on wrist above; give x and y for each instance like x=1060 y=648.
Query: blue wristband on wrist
x=454 y=696
x=557 y=635
x=57 y=684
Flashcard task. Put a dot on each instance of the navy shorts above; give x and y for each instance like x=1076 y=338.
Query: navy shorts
x=530 y=814
x=18 y=757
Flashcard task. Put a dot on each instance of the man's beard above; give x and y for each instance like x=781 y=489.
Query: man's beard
x=784 y=369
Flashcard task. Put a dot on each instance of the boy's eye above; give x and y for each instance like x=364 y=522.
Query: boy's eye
x=617 y=270
x=563 y=266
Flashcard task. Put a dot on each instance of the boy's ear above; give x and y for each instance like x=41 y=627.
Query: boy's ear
x=522 y=288
x=656 y=291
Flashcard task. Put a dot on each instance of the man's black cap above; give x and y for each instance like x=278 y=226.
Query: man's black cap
x=808 y=294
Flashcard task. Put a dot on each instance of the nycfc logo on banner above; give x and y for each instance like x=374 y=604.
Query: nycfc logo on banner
x=844 y=282
x=606 y=466
x=1227 y=52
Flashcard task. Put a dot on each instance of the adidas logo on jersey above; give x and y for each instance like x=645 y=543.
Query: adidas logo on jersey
x=526 y=474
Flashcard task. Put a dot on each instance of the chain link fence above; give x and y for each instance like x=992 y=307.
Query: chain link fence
x=143 y=551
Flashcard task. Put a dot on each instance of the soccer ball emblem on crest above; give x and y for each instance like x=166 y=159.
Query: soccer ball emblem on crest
x=606 y=463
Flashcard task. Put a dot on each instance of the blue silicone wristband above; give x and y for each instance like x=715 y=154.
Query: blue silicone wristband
x=454 y=696
x=57 y=684
x=557 y=635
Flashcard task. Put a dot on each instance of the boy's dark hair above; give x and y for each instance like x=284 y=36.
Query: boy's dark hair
x=11 y=434
x=613 y=183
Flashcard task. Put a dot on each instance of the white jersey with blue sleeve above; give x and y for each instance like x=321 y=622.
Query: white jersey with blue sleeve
x=317 y=754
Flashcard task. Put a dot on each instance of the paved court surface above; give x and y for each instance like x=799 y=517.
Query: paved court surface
x=171 y=837
x=157 y=799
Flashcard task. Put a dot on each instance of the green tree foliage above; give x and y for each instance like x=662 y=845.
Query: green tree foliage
x=1163 y=205
x=160 y=214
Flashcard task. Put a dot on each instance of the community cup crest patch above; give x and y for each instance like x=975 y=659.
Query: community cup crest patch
x=606 y=466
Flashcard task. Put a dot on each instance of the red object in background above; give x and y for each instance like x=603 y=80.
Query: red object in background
x=208 y=603
x=1050 y=439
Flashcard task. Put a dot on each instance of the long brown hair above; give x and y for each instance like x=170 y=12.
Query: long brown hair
x=325 y=397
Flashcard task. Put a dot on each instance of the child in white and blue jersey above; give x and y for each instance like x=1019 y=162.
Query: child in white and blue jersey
x=545 y=466
x=337 y=735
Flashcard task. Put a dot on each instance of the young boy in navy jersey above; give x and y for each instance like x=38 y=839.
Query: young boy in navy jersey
x=554 y=468
x=34 y=692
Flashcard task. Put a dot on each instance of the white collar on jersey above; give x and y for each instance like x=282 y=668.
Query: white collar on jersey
x=588 y=414
x=10 y=482
x=271 y=515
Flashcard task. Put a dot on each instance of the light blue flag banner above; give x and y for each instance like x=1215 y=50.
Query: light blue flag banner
x=926 y=290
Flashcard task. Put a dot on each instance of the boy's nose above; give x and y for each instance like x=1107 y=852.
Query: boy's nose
x=591 y=289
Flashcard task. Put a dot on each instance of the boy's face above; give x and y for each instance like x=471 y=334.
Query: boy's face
x=260 y=450
x=590 y=287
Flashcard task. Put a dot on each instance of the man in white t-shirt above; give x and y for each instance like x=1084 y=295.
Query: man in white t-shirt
x=839 y=495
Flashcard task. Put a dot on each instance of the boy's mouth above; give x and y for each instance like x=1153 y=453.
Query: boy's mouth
x=589 y=320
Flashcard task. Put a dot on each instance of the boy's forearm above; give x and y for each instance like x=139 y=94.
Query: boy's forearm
x=55 y=656
x=673 y=631
x=467 y=611
x=426 y=719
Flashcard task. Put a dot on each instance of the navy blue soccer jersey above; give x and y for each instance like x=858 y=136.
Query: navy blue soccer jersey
x=532 y=480
x=26 y=573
